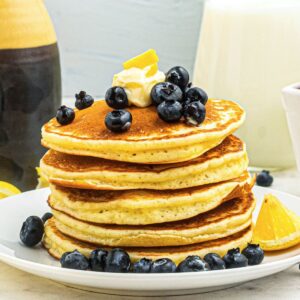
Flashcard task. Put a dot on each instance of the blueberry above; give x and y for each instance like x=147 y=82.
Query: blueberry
x=116 y=97
x=179 y=76
x=264 y=179
x=142 y=266
x=196 y=94
x=65 y=115
x=46 y=217
x=194 y=113
x=235 y=259
x=215 y=261
x=74 y=260
x=254 y=254
x=163 y=265
x=164 y=91
x=170 y=111
x=117 y=261
x=193 y=263
x=118 y=120
x=83 y=100
x=32 y=231
x=98 y=259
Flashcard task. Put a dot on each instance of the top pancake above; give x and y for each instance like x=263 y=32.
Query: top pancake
x=149 y=140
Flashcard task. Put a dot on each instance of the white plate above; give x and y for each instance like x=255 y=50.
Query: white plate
x=14 y=210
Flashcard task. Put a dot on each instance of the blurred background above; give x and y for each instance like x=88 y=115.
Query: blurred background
x=96 y=36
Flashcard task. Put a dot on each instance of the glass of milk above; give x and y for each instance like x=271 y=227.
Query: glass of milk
x=248 y=51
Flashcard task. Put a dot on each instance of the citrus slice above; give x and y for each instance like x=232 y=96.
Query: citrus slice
x=141 y=61
x=277 y=227
x=7 y=189
x=151 y=70
x=42 y=181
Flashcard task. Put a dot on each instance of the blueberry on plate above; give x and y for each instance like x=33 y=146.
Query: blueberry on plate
x=170 y=111
x=164 y=91
x=163 y=265
x=179 y=76
x=194 y=113
x=196 y=94
x=117 y=261
x=74 y=260
x=118 y=120
x=46 y=217
x=254 y=254
x=142 y=266
x=98 y=259
x=235 y=259
x=215 y=261
x=83 y=100
x=193 y=263
x=116 y=97
x=32 y=231
x=65 y=115
x=264 y=179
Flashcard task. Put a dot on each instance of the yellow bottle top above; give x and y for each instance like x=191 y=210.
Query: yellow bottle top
x=25 y=24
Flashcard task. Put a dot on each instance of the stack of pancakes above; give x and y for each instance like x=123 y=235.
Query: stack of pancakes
x=158 y=190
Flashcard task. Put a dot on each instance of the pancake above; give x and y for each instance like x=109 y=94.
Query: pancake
x=227 y=219
x=136 y=207
x=58 y=243
x=149 y=140
x=224 y=162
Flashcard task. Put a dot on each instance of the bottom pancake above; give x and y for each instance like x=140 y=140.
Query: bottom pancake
x=57 y=243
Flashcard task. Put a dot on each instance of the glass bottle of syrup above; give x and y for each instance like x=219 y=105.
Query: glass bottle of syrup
x=30 y=87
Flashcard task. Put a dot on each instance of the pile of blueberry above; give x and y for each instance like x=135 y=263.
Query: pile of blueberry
x=174 y=98
x=66 y=115
x=118 y=260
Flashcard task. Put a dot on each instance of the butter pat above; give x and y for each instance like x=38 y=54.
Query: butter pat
x=138 y=84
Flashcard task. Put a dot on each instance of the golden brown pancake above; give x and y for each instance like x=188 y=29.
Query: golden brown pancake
x=227 y=219
x=149 y=140
x=137 y=207
x=58 y=243
x=224 y=162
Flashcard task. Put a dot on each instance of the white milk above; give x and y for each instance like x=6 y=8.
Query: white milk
x=248 y=51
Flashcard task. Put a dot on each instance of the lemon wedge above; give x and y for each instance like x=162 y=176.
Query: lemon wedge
x=7 y=189
x=277 y=227
x=42 y=181
x=143 y=60
x=151 y=70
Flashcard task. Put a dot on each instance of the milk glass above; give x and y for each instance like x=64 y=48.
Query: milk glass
x=248 y=51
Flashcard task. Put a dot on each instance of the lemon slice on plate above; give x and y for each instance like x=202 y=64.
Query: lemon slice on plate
x=277 y=227
x=7 y=189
